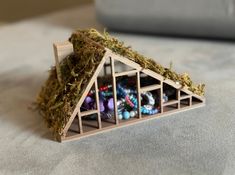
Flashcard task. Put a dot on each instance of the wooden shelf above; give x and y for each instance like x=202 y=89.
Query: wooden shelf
x=128 y=120
x=182 y=97
x=170 y=102
x=125 y=73
x=79 y=126
x=76 y=136
x=150 y=88
x=84 y=113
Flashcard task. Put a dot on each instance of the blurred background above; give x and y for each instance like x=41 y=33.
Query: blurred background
x=12 y=10
x=201 y=18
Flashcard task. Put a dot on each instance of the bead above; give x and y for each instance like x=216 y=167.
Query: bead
x=110 y=104
x=88 y=100
x=102 y=108
x=120 y=116
x=126 y=115
x=129 y=102
x=144 y=110
x=105 y=88
x=132 y=114
x=148 y=107
x=109 y=115
x=150 y=98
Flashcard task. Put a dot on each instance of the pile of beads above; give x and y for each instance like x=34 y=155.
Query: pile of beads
x=101 y=89
x=128 y=97
x=106 y=104
x=127 y=103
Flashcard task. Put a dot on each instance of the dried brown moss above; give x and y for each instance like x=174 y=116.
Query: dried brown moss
x=118 y=47
x=57 y=101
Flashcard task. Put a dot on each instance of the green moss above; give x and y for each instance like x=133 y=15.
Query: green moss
x=57 y=101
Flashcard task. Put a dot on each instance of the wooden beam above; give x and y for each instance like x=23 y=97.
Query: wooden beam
x=184 y=97
x=150 y=88
x=170 y=102
x=138 y=94
x=61 y=50
x=190 y=101
x=80 y=122
x=89 y=112
x=172 y=83
x=178 y=97
x=185 y=90
x=125 y=73
x=153 y=74
x=161 y=97
x=97 y=104
x=114 y=91
x=125 y=61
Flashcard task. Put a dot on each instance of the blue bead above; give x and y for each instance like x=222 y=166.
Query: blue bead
x=126 y=115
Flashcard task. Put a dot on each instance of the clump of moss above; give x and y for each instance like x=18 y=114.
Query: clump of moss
x=118 y=47
x=57 y=100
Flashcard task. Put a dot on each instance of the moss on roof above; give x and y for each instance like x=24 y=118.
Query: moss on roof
x=57 y=101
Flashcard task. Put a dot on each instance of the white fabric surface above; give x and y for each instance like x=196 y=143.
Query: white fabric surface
x=199 y=141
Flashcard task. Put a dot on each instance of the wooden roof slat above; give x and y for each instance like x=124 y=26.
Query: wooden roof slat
x=125 y=73
x=170 y=102
x=150 y=88
x=85 y=113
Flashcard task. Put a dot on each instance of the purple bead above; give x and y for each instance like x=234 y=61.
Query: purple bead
x=87 y=102
x=102 y=108
x=88 y=99
x=110 y=104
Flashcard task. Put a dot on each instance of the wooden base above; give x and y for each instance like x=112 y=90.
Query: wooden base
x=110 y=125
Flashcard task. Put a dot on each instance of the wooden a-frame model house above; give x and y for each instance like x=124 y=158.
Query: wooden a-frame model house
x=77 y=126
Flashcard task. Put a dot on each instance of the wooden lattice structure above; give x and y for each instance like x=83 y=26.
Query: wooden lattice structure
x=78 y=127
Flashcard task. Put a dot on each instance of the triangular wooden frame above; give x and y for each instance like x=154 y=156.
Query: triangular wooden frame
x=61 y=49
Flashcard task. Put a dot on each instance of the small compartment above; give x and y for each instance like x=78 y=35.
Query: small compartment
x=74 y=128
x=183 y=94
x=150 y=103
x=184 y=103
x=90 y=123
x=89 y=103
x=195 y=101
x=169 y=93
x=146 y=80
x=120 y=67
x=170 y=107
x=106 y=101
x=127 y=98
